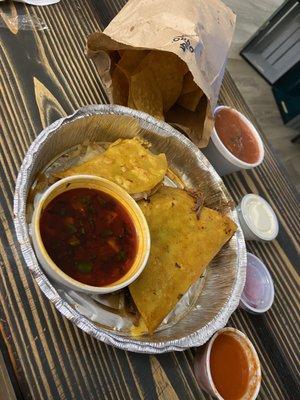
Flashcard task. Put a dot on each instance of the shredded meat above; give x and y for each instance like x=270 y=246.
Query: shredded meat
x=225 y=206
x=199 y=201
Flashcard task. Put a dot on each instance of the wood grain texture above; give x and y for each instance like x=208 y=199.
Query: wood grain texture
x=45 y=75
x=6 y=388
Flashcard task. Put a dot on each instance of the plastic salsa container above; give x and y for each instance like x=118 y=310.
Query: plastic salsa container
x=235 y=143
x=258 y=293
x=228 y=366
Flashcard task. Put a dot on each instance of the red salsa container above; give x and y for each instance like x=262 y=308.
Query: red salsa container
x=235 y=143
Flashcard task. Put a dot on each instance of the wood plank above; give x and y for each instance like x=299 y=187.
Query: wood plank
x=6 y=388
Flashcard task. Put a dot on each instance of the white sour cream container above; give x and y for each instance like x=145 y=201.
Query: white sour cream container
x=257 y=218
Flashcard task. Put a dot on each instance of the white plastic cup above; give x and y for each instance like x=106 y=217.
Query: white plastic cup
x=258 y=293
x=202 y=366
x=221 y=158
x=248 y=228
x=120 y=195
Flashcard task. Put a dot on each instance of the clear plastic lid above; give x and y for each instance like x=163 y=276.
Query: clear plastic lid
x=258 y=294
x=259 y=216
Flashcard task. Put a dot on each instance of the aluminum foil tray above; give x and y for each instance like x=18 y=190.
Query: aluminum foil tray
x=208 y=304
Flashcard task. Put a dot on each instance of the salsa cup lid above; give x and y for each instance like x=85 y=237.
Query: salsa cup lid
x=258 y=293
x=266 y=226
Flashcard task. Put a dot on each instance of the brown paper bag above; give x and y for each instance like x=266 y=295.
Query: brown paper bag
x=199 y=32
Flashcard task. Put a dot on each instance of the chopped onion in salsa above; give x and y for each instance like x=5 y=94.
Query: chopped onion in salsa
x=89 y=236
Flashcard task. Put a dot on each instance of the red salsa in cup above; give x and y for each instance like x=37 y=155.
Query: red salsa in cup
x=89 y=236
x=229 y=367
x=236 y=135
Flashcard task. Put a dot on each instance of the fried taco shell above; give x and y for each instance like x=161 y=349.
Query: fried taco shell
x=183 y=242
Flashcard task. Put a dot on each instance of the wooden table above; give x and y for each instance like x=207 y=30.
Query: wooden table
x=45 y=75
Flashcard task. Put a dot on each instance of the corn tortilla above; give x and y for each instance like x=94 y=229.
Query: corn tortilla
x=182 y=246
x=128 y=163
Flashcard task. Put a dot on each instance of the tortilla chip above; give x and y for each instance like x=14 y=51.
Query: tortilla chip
x=120 y=86
x=146 y=94
x=114 y=56
x=190 y=100
x=188 y=85
x=130 y=60
x=130 y=102
x=129 y=164
x=168 y=70
x=182 y=246
x=183 y=118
